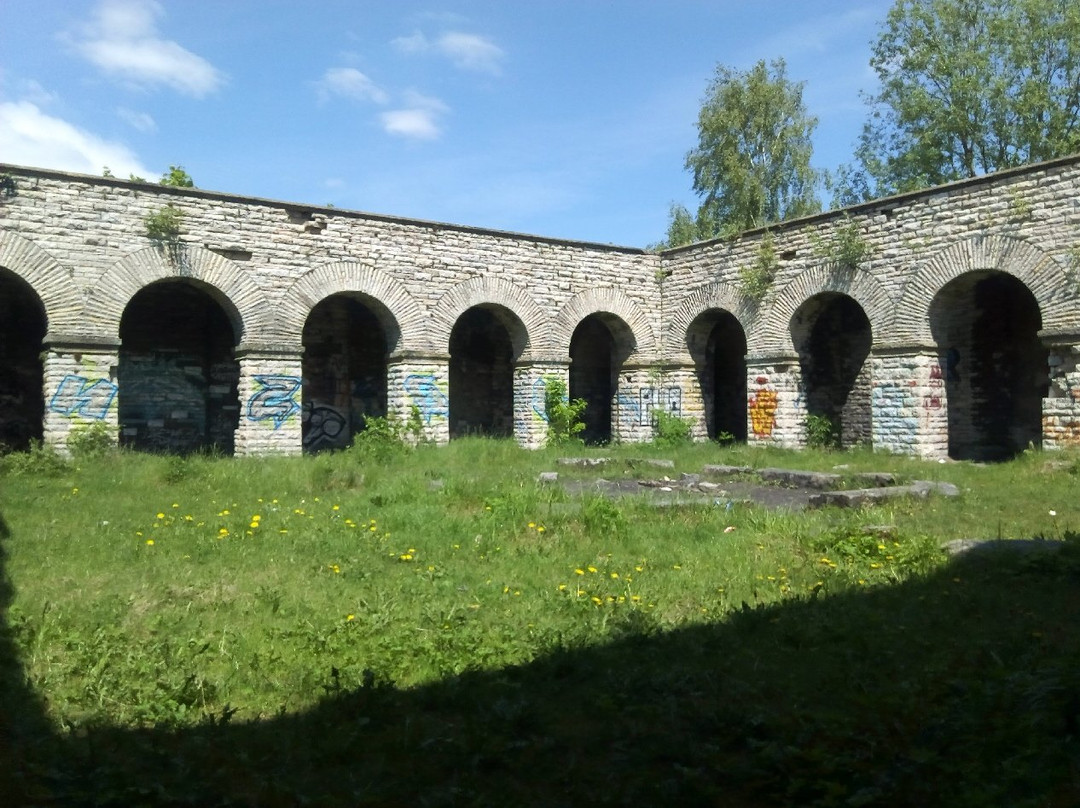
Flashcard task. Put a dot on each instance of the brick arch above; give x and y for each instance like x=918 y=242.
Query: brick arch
x=606 y=300
x=59 y=295
x=243 y=302
x=1040 y=273
x=402 y=318
x=771 y=335
x=530 y=341
x=718 y=296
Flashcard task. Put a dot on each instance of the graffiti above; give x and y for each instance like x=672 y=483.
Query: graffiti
x=762 y=406
x=932 y=400
x=668 y=399
x=639 y=409
x=275 y=401
x=426 y=395
x=80 y=396
x=538 y=399
x=323 y=426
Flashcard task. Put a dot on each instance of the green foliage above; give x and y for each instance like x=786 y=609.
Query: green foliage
x=756 y=278
x=563 y=416
x=752 y=162
x=670 y=431
x=1019 y=207
x=90 y=440
x=8 y=188
x=41 y=459
x=176 y=177
x=381 y=438
x=848 y=247
x=969 y=87
x=822 y=432
x=163 y=226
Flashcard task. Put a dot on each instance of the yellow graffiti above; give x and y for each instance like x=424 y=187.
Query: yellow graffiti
x=763 y=413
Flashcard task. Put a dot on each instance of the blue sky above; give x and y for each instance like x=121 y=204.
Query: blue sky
x=564 y=118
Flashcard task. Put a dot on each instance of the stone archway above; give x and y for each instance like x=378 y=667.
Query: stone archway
x=832 y=336
x=177 y=374
x=986 y=324
x=22 y=329
x=482 y=357
x=717 y=345
x=599 y=346
x=344 y=369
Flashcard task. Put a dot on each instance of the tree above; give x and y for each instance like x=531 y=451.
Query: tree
x=968 y=87
x=752 y=162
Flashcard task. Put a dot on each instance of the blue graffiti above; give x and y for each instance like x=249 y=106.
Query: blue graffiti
x=77 y=395
x=424 y=393
x=539 y=391
x=276 y=400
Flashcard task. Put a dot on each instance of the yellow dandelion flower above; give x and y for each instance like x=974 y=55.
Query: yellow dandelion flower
x=372 y=528
x=597 y=600
x=150 y=542
x=579 y=572
x=350 y=617
x=562 y=587
x=224 y=512
x=614 y=575
x=161 y=516
x=336 y=508
x=74 y=490
x=591 y=568
x=676 y=566
x=635 y=598
x=138 y=532
x=540 y=529
x=532 y=524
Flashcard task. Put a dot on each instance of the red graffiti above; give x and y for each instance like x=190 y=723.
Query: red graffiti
x=935 y=372
x=763 y=412
x=932 y=402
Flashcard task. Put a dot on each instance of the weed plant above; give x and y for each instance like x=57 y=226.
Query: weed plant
x=433 y=626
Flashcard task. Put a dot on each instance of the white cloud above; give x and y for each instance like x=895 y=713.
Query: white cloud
x=471 y=52
x=30 y=137
x=123 y=42
x=348 y=82
x=138 y=120
x=466 y=51
x=30 y=90
x=417 y=43
x=420 y=120
x=411 y=123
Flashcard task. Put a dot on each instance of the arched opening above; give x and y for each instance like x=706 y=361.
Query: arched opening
x=482 y=360
x=598 y=347
x=177 y=375
x=717 y=345
x=344 y=370
x=986 y=326
x=832 y=336
x=22 y=328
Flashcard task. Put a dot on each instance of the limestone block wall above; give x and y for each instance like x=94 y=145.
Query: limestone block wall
x=426 y=298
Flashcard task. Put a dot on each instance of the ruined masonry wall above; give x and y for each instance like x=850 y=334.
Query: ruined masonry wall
x=80 y=243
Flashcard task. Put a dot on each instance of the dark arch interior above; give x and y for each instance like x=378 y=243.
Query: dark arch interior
x=481 y=375
x=986 y=327
x=344 y=372
x=177 y=375
x=832 y=335
x=592 y=376
x=718 y=346
x=22 y=328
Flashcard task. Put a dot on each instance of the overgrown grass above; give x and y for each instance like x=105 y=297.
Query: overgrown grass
x=434 y=626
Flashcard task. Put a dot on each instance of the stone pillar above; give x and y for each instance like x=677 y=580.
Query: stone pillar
x=421 y=381
x=270 y=401
x=1061 y=407
x=80 y=388
x=775 y=406
x=679 y=393
x=530 y=419
x=636 y=392
x=909 y=401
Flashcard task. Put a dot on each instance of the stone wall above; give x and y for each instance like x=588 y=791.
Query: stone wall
x=314 y=319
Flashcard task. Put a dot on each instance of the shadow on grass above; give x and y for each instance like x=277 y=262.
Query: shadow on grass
x=960 y=689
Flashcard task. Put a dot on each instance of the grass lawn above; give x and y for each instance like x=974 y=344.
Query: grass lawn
x=436 y=627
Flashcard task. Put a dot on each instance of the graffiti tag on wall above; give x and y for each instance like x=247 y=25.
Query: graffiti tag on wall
x=275 y=400
x=427 y=395
x=323 y=426
x=638 y=409
x=538 y=399
x=932 y=400
x=78 y=395
x=762 y=407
